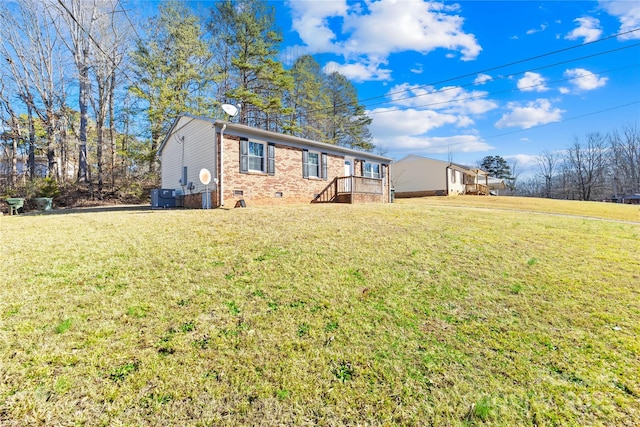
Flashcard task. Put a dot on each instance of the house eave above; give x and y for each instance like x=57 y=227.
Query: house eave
x=249 y=131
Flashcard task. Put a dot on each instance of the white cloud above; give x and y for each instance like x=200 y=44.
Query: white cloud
x=524 y=160
x=532 y=114
x=450 y=99
x=310 y=21
x=482 y=79
x=532 y=82
x=407 y=143
x=584 y=79
x=358 y=72
x=588 y=29
x=391 y=122
x=392 y=26
x=418 y=69
x=370 y=31
x=419 y=110
x=627 y=12
x=440 y=145
x=537 y=30
x=564 y=90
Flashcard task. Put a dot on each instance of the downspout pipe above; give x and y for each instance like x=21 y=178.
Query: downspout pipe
x=224 y=126
x=446 y=179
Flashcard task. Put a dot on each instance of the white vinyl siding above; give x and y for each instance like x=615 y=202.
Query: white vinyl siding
x=199 y=152
x=416 y=174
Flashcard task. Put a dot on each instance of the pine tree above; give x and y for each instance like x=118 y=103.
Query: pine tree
x=173 y=70
x=246 y=42
x=308 y=99
x=347 y=122
x=496 y=166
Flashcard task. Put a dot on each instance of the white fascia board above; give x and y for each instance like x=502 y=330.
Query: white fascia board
x=265 y=135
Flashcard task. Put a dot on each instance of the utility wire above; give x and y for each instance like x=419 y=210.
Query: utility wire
x=82 y=28
x=93 y=40
x=486 y=94
x=593 y=113
x=135 y=30
x=520 y=61
x=486 y=70
x=616 y=107
x=501 y=78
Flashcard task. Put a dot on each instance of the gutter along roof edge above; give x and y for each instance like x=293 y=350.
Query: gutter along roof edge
x=276 y=136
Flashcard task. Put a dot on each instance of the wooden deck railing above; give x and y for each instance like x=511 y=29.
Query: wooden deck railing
x=347 y=186
x=479 y=189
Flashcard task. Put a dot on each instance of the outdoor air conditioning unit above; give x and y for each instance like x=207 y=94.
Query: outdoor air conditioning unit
x=163 y=198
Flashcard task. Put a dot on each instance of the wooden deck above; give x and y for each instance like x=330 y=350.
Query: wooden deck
x=349 y=189
x=477 y=189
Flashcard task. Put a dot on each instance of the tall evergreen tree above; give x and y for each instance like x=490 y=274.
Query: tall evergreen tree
x=246 y=42
x=173 y=71
x=347 y=122
x=308 y=99
x=496 y=166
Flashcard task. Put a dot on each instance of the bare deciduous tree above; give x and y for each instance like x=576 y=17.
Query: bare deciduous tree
x=79 y=16
x=547 y=168
x=10 y=131
x=625 y=160
x=107 y=57
x=587 y=162
x=32 y=52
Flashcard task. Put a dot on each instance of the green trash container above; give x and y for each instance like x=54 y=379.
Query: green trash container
x=15 y=203
x=44 y=203
x=393 y=194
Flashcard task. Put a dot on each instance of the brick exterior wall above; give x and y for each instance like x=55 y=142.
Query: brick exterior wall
x=261 y=188
x=194 y=201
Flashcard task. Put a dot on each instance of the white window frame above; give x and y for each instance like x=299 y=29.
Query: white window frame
x=251 y=156
x=370 y=170
x=314 y=168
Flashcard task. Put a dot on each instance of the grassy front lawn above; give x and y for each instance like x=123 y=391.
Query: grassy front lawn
x=420 y=312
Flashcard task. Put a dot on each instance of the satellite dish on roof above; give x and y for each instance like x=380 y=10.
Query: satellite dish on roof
x=231 y=110
x=205 y=176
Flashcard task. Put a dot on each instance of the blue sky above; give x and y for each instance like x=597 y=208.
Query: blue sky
x=464 y=80
x=435 y=77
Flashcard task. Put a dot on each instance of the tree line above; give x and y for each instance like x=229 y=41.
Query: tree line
x=595 y=166
x=86 y=96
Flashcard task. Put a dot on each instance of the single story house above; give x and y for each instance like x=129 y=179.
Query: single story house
x=250 y=166
x=631 y=199
x=417 y=176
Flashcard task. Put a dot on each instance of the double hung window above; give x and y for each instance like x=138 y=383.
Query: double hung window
x=314 y=164
x=371 y=170
x=256 y=157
